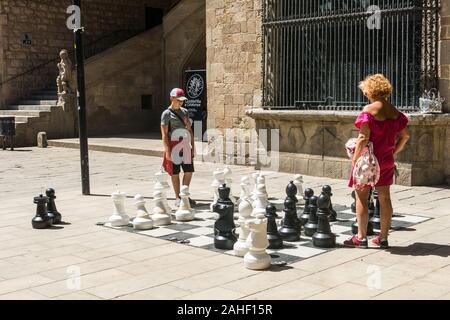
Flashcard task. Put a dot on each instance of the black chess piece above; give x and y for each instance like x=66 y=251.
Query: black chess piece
x=274 y=237
x=370 y=231
x=291 y=191
x=224 y=227
x=304 y=217
x=354 y=201
x=289 y=230
x=324 y=238
x=311 y=226
x=376 y=218
x=327 y=189
x=52 y=212
x=41 y=220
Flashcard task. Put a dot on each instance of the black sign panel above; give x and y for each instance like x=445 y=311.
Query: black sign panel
x=195 y=89
x=7 y=126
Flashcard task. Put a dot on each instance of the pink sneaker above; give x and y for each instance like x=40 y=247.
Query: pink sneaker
x=383 y=244
x=356 y=243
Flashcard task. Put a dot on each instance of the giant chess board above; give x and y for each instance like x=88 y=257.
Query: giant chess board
x=200 y=233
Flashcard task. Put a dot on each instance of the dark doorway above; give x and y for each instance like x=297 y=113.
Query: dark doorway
x=153 y=17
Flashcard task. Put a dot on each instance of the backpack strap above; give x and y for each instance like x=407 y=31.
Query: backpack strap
x=179 y=118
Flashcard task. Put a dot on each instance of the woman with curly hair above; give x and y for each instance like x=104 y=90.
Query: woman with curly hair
x=386 y=127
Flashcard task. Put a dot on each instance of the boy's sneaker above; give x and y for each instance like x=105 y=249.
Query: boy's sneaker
x=356 y=243
x=177 y=203
x=382 y=243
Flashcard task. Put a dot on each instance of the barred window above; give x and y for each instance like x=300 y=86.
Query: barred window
x=317 y=51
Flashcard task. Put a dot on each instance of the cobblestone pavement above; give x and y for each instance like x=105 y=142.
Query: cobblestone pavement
x=118 y=265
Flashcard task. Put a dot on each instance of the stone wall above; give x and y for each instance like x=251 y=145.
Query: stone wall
x=45 y=21
x=313 y=143
x=444 y=72
x=184 y=31
x=117 y=79
x=233 y=41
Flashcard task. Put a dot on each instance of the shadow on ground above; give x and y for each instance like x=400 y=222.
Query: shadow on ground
x=422 y=249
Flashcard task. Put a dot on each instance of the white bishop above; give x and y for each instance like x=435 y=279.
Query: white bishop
x=142 y=220
x=160 y=216
x=245 y=213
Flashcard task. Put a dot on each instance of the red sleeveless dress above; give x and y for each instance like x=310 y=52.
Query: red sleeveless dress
x=383 y=135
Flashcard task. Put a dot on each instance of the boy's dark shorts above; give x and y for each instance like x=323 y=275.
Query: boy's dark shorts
x=187 y=168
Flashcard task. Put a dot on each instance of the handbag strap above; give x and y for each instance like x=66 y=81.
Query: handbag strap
x=179 y=118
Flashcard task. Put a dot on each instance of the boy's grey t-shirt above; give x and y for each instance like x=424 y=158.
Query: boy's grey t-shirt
x=175 y=123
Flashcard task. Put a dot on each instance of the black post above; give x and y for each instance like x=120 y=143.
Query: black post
x=82 y=123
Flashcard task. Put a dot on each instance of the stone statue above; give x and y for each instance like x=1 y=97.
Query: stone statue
x=66 y=78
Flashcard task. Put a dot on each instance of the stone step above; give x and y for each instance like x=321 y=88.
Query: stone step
x=43 y=97
x=34 y=107
x=16 y=113
x=20 y=119
x=39 y=102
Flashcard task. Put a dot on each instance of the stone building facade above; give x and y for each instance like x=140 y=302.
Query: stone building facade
x=223 y=36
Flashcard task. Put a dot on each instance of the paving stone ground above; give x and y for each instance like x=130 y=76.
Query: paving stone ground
x=44 y=264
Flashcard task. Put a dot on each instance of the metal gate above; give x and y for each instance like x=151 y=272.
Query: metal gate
x=315 y=52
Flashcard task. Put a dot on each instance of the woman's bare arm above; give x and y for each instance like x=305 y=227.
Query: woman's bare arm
x=401 y=143
x=363 y=139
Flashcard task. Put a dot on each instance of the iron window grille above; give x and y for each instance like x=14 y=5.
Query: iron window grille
x=315 y=52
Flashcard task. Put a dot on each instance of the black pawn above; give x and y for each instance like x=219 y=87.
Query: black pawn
x=311 y=226
x=324 y=238
x=328 y=191
x=291 y=192
x=376 y=219
x=274 y=237
x=304 y=217
x=41 y=219
x=289 y=230
x=51 y=207
x=354 y=201
x=224 y=226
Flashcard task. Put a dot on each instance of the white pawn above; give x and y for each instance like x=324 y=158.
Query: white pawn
x=160 y=216
x=245 y=213
x=261 y=180
x=217 y=182
x=185 y=212
x=119 y=217
x=245 y=189
x=257 y=257
x=298 y=181
x=142 y=220
x=228 y=177
x=255 y=184
x=261 y=202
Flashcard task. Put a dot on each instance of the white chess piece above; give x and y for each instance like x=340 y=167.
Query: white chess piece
x=228 y=177
x=163 y=185
x=261 y=180
x=255 y=184
x=219 y=180
x=261 y=202
x=245 y=189
x=142 y=220
x=185 y=212
x=160 y=216
x=119 y=217
x=257 y=257
x=298 y=181
x=245 y=213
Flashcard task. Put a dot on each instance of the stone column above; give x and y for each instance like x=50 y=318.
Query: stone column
x=233 y=42
x=444 y=68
